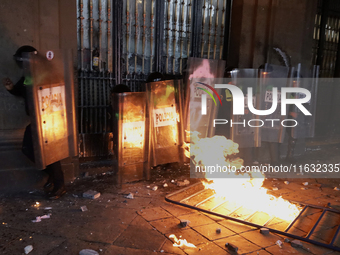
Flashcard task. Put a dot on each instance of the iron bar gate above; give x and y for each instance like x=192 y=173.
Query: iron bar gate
x=124 y=41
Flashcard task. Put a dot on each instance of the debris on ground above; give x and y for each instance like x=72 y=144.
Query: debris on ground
x=296 y=244
x=305 y=183
x=88 y=252
x=39 y=218
x=264 y=231
x=231 y=247
x=183 y=183
x=165 y=185
x=286 y=182
x=181 y=242
x=304 y=188
x=91 y=194
x=336 y=188
x=28 y=249
x=275 y=188
x=287 y=240
x=83 y=208
x=155 y=188
x=218 y=230
x=279 y=243
x=48 y=208
x=184 y=223
x=172 y=181
x=130 y=196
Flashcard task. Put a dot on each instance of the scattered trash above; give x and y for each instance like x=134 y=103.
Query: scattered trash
x=172 y=181
x=74 y=195
x=88 y=252
x=183 y=183
x=130 y=196
x=279 y=243
x=304 y=188
x=275 y=188
x=165 y=185
x=264 y=231
x=83 y=208
x=39 y=218
x=231 y=247
x=148 y=187
x=48 y=208
x=91 y=194
x=287 y=240
x=184 y=223
x=218 y=230
x=162 y=251
x=28 y=249
x=274 y=179
x=336 y=188
x=181 y=242
x=155 y=188
x=286 y=182
x=305 y=183
x=296 y=244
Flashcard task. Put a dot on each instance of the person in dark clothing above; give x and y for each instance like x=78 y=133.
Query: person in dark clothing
x=155 y=76
x=55 y=186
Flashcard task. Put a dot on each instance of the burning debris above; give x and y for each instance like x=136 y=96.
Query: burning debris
x=242 y=189
x=183 y=243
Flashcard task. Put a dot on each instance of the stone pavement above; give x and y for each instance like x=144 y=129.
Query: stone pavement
x=115 y=224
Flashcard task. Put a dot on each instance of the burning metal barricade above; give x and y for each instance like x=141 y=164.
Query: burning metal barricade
x=166 y=124
x=130 y=134
x=51 y=101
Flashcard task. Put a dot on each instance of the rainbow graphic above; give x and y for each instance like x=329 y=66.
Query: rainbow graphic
x=211 y=95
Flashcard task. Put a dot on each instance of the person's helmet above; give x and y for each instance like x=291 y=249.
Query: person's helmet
x=156 y=76
x=120 y=88
x=18 y=56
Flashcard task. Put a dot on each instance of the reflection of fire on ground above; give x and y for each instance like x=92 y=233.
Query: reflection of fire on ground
x=245 y=190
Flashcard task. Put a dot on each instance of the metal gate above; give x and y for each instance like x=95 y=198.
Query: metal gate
x=124 y=41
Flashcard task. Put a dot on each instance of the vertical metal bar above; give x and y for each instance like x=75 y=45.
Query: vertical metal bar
x=203 y=27
x=143 y=36
x=216 y=28
x=210 y=26
x=292 y=223
x=316 y=224
x=159 y=34
x=91 y=32
x=118 y=37
x=100 y=33
x=167 y=37
x=151 y=34
x=196 y=26
x=181 y=35
x=127 y=35
x=323 y=23
x=136 y=34
x=174 y=32
x=225 y=29
x=82 y=122
x=188 y=28
x=109 y=38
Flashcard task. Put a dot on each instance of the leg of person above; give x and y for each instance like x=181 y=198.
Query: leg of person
x=49 y=185
x=290 y=151
x=58 y=181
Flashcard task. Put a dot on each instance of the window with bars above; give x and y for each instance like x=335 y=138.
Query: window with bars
x=326 y=35
x=123 y=41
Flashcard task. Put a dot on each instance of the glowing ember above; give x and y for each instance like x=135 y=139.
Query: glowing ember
x=246 y=190
x=181 y=242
